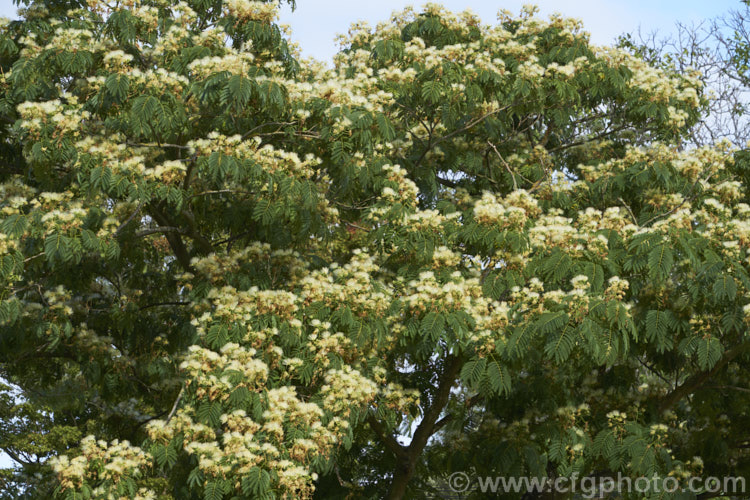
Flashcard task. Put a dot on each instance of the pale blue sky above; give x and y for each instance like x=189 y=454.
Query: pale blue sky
x=316 y=22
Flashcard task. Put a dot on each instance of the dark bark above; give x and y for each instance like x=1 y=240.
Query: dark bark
x=174 y=235
x=695 y=382
x=408 y=456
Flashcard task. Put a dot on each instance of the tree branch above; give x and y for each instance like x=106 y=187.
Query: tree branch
x=505 y=163
x=174 y=406
x=148 y=306
x=130 y=218
x=697 y=380
x=174 y=239
x=426 y=427
x=388 y=440
x=15 y=457
x=160 y=229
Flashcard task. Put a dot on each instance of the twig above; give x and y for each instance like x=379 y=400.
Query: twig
x=148 y=306
x=507 y=167
x=142 y=145
x=174 y=406
x=279 y=124
x=652 y=370
x=221 y=191
x=357 y=227
x=689 y=199
x=160 y=229
x=32 y=257
x=130 y=218
x=732 y=387
x=632 y=215
x=16 y=457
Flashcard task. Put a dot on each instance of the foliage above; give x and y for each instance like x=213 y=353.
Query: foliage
x=228 y=273
x=716 y=51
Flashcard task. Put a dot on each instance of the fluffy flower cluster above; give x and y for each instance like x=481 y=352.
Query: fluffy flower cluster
x=72 y=39
x=352 y=284
x=399 y=188
x=512 y=212
x=236 y=64
x=346 y=386
x=210 y=370
x=99 y=460
x=248 y=10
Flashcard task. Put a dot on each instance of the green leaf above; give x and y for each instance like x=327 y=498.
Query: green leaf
x=217 y=336
x=473 y=371
x=709 y=351
x=725 y=288
x=499 y=378
x=520 y=339
x=556 y=267
x=256 y=483
x=148 y=114
x=263 y=212
x=385 y=127
x=213 y=491
x=660 y=261
x=239 y=397
x=89 y=240
x=432 y=91
x=561 y=344
x=605 y=444
x=14 y=226
x=433 y=325
x=210 y=413
x=595 y=274
x=56 y=248
x=117 y=86
x=552 y=322
x=239 y=90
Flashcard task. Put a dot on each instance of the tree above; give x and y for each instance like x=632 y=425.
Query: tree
x=717 y=51
x=229 y=273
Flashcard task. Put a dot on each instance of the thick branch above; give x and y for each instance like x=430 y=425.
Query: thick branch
x=201 y=242
x=15 y=457
x=426 y=428
x=695 y=382
x=446 y=182
x=388 y=440
x=174 y=239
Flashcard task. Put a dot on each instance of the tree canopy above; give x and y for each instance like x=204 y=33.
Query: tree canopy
x=228 y=272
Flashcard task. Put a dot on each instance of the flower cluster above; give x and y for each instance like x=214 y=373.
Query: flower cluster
x=99 y=460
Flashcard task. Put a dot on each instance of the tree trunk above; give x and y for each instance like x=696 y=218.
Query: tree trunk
x=401 y=477
x=407 y=456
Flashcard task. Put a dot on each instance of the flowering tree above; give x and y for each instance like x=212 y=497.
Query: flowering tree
x=717 y=50
x=229 y=273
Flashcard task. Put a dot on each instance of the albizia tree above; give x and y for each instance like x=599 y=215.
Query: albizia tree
x=228 y=273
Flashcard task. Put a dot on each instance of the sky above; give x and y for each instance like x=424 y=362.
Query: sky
x=315 y=23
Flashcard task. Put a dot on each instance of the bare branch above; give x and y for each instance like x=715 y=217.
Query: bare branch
x=155 y=230
x=176 y=403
